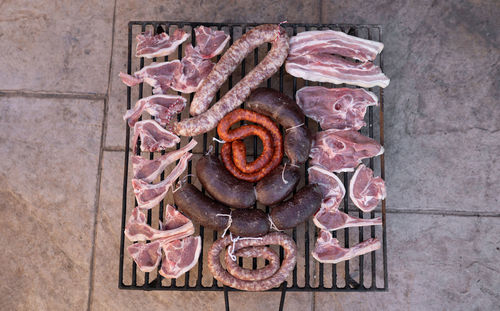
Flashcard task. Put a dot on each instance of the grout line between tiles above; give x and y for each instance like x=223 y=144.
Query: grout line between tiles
x=44 y=94
x=313 y=301
x=321 y=18
x=99 y=167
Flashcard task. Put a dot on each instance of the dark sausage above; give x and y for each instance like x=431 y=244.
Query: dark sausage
x=286 y=112
x=223 y=186
x=249 y=222
x=272 y=190
x=200 y=208
x=296 y=210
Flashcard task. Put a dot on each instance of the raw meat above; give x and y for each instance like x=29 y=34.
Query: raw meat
x=162 y=44
x=342 y=151
x=180 y=256
x=149 y=195
x=330 y=185
x=194 y=69
x=333 y=219
x=340 y=109
x=146 y=255
x=148 y=170
x=153 y=136
x=328 y=249
x=365 y=190
x=334 y=69
x=162 y=107
x=159 y=75
x=177 y=226
x=334 y=42
x=210 y=42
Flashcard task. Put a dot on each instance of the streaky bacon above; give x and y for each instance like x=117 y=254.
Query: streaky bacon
x=334 y=42
x=334 y=69
x=147 y=170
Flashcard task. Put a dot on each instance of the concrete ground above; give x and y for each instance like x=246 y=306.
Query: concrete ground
x=62 y=142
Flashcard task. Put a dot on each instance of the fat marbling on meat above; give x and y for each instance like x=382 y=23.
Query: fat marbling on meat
x=149 y=45
x=342 y=151
x=366 y=191
x=336 y=108
x=328 y=249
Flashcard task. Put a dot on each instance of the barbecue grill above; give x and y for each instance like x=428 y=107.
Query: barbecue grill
x=365 y=273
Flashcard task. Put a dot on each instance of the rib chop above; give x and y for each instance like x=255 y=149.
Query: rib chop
x=149 y=195
x=153 y=136
x=328 y=249
x=146 y=255
x=149 y=45
x=148 y=170
x=162 y=107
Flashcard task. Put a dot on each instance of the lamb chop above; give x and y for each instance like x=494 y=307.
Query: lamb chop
x=210 y=43
x=149 y=45
x=328 y=249
x=337 y=108
x=177 y=226
x=342 y=151
x=149 y=195
x=159 y=75
x=162 y=107
x=180 y=256
x=147 y=170
x=366 y=191
x=195 y=68
x=153 y=136
x=146 y=255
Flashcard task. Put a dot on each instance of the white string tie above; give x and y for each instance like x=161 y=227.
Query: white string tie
x=273 y=226
x=283 y=175
x=218 y=140
x=291 y=128
x=229 y=222
x=181 y=182
x=230 y=249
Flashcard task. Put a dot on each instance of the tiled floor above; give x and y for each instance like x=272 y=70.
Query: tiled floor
x=62 y=143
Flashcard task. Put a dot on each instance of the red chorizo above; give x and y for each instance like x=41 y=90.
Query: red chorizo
x=239 y=150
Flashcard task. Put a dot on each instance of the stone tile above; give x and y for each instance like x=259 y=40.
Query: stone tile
x=441 y=124
x=56 y=47
x=435 y=263
x=50 y=151
x=213 y=11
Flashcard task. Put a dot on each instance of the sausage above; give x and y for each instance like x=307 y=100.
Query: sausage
x=239 y=150
x=223 y=186
x=296 y=210
x=206 y=120
x=200 y=208
x=298 y=143
x=272 y=190
x=223 y=129
x=220 y=274
x=253 y=252
x=249 y=222
x=287 y=113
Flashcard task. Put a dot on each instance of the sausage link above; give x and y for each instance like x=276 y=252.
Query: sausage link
x=253 y=252
x=206 y=120
x=239 y=149
x=223 y=129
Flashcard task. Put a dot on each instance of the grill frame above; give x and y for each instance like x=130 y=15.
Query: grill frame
x=351 y=285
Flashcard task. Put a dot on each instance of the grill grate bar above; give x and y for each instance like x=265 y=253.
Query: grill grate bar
x=303 y=273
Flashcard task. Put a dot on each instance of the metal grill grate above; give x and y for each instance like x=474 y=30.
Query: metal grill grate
x=365 y=273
